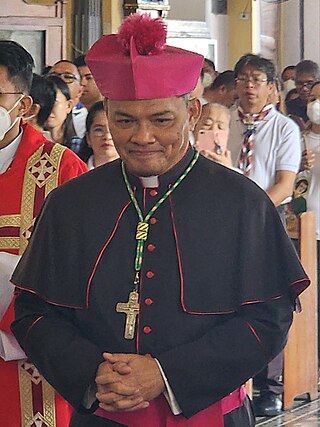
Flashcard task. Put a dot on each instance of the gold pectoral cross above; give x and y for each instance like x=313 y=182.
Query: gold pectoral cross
x=131 y=309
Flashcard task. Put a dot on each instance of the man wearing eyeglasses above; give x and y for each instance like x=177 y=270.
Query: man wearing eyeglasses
x=265 y=145
x=307 y=73
x=76 y=129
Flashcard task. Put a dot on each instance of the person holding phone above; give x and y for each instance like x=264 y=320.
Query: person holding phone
x=212 y=133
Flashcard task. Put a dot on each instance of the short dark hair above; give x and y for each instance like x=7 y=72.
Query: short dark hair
x=80 y=61
x=258 y=62
x=62 y=60
x=19 y=64
x=227 y=78
x=60 y=85
x=98 y=106
x=43 y=92
x=308 y=67
x=288 y=68
x=210 y=63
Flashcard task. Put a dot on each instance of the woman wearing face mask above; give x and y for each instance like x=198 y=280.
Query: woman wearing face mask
x=311 y=162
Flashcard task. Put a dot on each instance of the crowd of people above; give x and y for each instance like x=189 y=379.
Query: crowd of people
x=156 y=285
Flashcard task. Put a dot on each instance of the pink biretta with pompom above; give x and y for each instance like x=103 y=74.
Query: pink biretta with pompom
x=137 y=64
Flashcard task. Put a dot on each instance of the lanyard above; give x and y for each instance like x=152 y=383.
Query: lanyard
x=143 y=223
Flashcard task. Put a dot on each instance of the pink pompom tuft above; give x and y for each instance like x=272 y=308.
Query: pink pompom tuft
x=149 y=34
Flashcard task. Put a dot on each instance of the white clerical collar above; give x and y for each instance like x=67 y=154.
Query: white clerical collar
x=8 y=153
x=192 y=138
x=90 y=164
x=149 y=181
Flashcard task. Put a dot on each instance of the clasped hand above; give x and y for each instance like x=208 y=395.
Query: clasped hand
x=127 y=382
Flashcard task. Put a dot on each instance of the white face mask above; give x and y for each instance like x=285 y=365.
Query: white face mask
x=207 y=80
x=26 y=119
x=288 y=85
x=313 y=111
x=5 y=119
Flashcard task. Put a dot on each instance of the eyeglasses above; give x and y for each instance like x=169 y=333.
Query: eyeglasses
x=66 y=77
x=99 y=132
x=257 y=81
x=308 y=84
x=11 y=93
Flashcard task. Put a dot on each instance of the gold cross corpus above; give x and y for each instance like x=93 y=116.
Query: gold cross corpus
x=131 y=309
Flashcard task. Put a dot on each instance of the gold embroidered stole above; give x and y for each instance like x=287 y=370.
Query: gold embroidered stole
x=41 y=176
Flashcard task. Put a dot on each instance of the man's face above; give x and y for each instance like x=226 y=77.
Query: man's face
x=90 y=92
x=69 y=74
x=9 y=95
x=216 y=119
x=304 y=83
x=151 y=136
x=253 y=89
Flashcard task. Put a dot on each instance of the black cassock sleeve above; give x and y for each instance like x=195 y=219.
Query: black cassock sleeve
x=200 y=372
x=67 y=359
x=204 y=371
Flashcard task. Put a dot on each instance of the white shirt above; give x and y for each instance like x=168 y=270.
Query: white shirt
x=8 y=153
x=9 y=347
x=90 y=164
x=79 y=122
x=277 y=146
x=312 y=141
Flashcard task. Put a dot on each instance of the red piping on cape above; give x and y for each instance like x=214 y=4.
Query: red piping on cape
x=259 y=340
x=216 y=312
x=181 y=270
x=31 y=326
x=103 y=249
x=46 y=300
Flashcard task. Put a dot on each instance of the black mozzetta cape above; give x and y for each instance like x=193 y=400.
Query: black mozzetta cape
x=219 y=281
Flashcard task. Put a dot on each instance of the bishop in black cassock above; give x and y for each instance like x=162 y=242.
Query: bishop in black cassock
x=211 y=276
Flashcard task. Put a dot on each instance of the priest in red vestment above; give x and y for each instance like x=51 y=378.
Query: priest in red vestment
x=156 y=285
x=30 y=167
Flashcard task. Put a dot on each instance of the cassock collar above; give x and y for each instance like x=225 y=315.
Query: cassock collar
x=165 y=179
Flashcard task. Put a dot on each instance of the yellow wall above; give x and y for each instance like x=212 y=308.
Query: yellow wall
x=112 y=15
x=68 y=29
x=242 y=34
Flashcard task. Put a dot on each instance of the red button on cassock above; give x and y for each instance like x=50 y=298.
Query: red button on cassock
x=150 y=274
x=147 y=329
x=153 y=193
x=153 y=220
x=148 y=301
x=151 y=247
